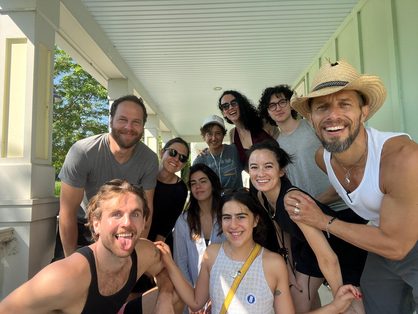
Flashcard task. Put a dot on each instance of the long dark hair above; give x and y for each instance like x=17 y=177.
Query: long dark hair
x=244 y=197
x=193 y=209
x=248 y=114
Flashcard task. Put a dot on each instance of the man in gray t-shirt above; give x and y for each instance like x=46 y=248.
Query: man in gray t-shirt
x=95 y=160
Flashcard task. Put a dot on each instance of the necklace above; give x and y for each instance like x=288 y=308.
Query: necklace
x=237 y=271
x=347 y=176
x=218 y=166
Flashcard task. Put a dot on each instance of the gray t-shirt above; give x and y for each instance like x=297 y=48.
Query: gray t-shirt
x=90 y=163
x=303 y=172
x=226 y=165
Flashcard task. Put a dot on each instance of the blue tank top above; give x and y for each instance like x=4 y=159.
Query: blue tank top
x=97 y=303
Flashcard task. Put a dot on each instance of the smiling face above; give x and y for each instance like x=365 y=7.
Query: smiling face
x=337 y=119
x=173 y=164
x=121 y=223
x=233 y=112
x=200 y=186
x=264 y=170
x=238 y=223
x=214 y=138
x=127 y=124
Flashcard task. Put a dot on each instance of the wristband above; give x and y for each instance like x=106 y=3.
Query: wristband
x=328 y=224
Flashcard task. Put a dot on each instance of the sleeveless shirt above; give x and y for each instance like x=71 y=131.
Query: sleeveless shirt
x=253 y=294
x=97 y=303
x=366 y=199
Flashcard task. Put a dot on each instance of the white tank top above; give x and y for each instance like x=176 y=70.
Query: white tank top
x=366 y=199
x=253 y=295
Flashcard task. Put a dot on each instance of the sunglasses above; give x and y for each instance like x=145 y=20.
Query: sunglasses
x=173 y=153
x=232 y=104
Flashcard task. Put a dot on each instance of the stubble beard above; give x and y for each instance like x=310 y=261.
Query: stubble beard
x=123 y=144
x=338 y=146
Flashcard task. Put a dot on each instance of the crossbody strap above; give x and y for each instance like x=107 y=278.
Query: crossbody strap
x=254 y=252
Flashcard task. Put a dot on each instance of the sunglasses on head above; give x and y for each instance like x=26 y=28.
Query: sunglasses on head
x=232 y=104
x=173 y=153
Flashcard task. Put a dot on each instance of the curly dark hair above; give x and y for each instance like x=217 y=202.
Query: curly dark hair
x=248 y=113
x=265 y=100
x=193 y=209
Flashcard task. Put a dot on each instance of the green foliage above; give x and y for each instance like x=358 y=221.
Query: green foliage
x=82 y=109
x=57 y=189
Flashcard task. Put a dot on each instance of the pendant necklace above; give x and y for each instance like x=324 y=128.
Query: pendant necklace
x=236 y=273
x=347 y=176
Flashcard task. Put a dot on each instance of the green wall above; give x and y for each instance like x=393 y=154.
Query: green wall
x=380 y=37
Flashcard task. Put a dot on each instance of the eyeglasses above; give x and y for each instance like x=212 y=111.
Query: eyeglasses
x=173 y=153
x=225 y=106
x=281 y=103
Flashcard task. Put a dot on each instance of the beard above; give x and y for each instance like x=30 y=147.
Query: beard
x=123 y=143
x=337 y=145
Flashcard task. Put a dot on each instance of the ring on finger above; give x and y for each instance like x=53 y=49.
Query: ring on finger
x=296 y=211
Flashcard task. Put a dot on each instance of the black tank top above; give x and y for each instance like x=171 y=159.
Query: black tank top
x=97 y=303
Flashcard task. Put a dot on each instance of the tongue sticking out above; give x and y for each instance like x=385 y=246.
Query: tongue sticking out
x=125 y=243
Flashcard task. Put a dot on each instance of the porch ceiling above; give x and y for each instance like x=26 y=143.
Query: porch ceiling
x=180 y=51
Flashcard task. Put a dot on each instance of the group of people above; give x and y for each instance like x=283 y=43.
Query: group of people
x=329 y=199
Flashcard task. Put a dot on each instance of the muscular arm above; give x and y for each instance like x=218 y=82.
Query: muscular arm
x=70 y=200
x=59 y=287
x=397 y=233
x=149 y=195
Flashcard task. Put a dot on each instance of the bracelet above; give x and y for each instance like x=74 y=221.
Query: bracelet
x=328 y=224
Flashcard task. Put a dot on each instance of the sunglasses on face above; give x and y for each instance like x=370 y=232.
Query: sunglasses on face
x=281 y=103
x=173 y=153
x=232 y=104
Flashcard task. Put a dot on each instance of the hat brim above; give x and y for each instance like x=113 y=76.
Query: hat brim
x=371 y=87
x=214 y=122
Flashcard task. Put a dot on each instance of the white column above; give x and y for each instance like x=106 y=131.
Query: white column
x=152 y=133
x=27 y=202
x=117 y=88
x=165 y=137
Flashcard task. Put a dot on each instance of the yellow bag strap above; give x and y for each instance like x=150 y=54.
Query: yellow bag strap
x=241 y=273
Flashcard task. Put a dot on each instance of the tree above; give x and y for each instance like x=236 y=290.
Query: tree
x=82 y=109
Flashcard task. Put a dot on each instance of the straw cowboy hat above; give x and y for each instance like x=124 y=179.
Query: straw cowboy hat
x=334 y=77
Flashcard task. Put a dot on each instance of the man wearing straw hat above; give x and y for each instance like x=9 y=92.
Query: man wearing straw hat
x=375 y=173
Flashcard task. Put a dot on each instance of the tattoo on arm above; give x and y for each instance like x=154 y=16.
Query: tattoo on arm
x=277 y=292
